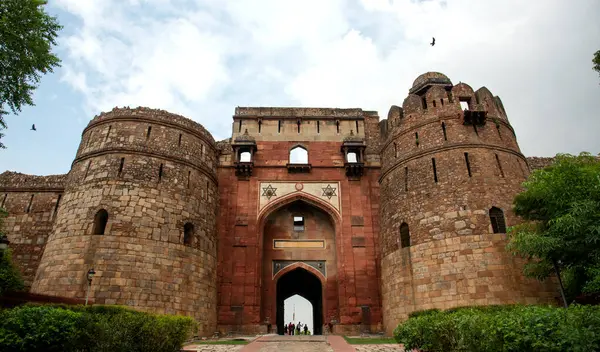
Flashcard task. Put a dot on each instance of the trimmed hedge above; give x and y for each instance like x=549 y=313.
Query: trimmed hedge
x=91 y=328
x=504 y=328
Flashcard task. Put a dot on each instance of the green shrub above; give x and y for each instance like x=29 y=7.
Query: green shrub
x=508 y=328
x=39 y=329
x=419 y=313
x=91 y=328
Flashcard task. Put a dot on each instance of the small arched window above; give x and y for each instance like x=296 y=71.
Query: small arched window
x=245 y=157
x=404 y=235
x=100 y=220
x=188 y=233
x=497 y=220
x=298 y=155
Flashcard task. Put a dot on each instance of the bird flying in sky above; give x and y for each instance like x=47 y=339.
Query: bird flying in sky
x=33 y=127
x=432 y=41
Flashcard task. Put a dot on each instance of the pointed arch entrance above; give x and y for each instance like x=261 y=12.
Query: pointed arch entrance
x=299 y=245
x=303 y=283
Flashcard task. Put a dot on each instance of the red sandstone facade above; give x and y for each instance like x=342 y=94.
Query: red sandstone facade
x=383 y=217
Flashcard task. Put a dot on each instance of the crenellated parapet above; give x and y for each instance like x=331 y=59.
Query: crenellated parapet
x=16 y=181
x=155 y=115
x=439 y=115
x=451 y=166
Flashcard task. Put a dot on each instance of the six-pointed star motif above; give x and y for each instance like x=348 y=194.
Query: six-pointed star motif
x=269 y=192
x=329 y=191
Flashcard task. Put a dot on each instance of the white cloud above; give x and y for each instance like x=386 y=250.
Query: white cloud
x=203 y=58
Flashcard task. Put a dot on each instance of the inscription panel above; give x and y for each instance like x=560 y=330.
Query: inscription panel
x=285 y=243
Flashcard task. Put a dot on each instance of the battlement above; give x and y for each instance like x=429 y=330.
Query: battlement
x=277 y=124
x=10 y=180
x=297 y=112
x=155 y=115
x=433 y=96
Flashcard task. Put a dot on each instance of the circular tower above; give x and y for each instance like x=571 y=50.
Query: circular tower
x=140 y=208
x=451 y=167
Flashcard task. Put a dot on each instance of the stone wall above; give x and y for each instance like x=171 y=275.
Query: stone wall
x=539 y=162
x=31 y=202
x=454 y=258
x=153 y=173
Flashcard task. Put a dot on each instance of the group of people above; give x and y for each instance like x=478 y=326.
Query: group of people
x=292 y=329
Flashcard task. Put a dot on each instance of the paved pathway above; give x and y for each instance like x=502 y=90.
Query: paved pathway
x=300 y=343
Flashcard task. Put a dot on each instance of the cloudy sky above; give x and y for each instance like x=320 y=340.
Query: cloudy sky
x=203 y=58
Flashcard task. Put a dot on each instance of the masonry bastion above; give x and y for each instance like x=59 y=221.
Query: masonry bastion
x=449 y=176
x=140 y=207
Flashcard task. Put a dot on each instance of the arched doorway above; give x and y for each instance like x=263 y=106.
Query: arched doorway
x=299 y=232
x=303 y=283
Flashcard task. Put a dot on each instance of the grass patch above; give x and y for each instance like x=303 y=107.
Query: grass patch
x=370 y=341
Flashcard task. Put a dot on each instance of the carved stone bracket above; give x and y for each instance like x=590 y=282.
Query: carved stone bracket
x=243 y=170
x=298 y=168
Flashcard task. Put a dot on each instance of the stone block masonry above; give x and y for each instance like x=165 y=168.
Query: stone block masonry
x=383 y=218
x=153 y=176
x=32 y=203
x=444 y=180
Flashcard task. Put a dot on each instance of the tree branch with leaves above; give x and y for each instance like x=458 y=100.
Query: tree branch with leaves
x=596 y=61
x=561 y=209
x=27 y=36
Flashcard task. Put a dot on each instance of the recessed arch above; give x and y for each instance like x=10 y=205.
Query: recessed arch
x=300 y=265
x=497 y=220
x=275 y=221
x=404 y=235
x=304 y=283
x=305 y=197
x=188 y=233
x=100 y=221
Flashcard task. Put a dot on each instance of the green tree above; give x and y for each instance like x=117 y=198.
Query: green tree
x=561 y=206
x=10 y=277
x=596 y=61
x=27 y=35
